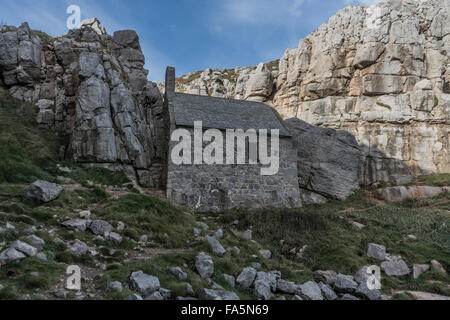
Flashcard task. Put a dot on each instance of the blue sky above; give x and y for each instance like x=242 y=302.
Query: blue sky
x=190 y=34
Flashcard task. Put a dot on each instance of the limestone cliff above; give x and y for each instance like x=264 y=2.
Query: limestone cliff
x=92 y=87
x=380 y=72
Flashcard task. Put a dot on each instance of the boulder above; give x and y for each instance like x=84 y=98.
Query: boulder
x=247 y=277
x=437 y=266
x=116 y=286
x=100 y=227
x=217 y=248
x=285 y=286
x=208 y=294
x=230 y=280
x=327 y=292
x=419 y=269
x=364 y=292
x=43 y=191
x=395 y=268
x=79 y=248
x=218 y=234
x=266 y=254
x=345 y=284
x=328 y=277
x=204 y=265
x=349 y=297
x=25 y=248
x=310 y=291
x=328 y=160
x=144 y=283
x=77 y=224
x=113 y=237
x=376 y=251
x=179 y=273
x=155 y=296
x=10 y=255
x=262 y=290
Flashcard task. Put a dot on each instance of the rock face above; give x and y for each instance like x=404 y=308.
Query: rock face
x=380 y=72
x=397 y=194
x=92 y=87
x=328 y=160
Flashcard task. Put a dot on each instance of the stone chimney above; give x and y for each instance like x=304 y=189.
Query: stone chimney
x=170 y=81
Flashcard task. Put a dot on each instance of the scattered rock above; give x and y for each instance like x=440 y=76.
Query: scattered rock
x=296 y=297
x=345 y=284
x=362 y=275
x=197 y=232
x=310 y=291
x=135 y=297
x=328 y=277
x=165 y=293
x=204 y=265
x=327 y=292
x=120 y=226
x=30 y=230
x=116 y=285
x=217 y=248
x=247 y=235
x=10 y=255
x=179 y=273
x=24 y=248
x=85 y=214
x=218 y=234
x=144 y=283
x=42 y=256
x=357 y=225
x=78 y=248
x=43 y=191
x=77 y=224
x=411 y=237
x=36 y=242
x=9 y=226
x=208 y=294
x=247 y=277
x=190 y=290
x=376 y=251
x=100 y=227
x=203 y=225
x=266 y=254
x=419 y=269
x=284 y=286
x=155 y=296
x=114 y=237
x=348 y=297
x=366 y=293
x=143 y=239
x=437 y=266
x=262 y=290
x=256 y=265
x=230 y=280
x=396 y=268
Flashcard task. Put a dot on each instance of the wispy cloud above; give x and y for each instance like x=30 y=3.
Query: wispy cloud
x=261 y=12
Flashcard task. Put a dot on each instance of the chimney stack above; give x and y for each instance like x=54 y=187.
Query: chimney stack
x=170 y=81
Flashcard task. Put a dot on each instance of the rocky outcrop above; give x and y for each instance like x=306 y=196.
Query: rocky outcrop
x=328 y=160
x=92 y=87
x=379 y=72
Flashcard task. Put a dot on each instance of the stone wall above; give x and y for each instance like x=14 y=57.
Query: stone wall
x=225 y=187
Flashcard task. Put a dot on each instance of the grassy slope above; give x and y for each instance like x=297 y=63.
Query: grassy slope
x=29 y=153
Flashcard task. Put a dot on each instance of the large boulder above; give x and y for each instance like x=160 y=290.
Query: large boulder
x=328 y=160
x=43 y=191
x=144 y=283
x=247 y=277
x=204 y=265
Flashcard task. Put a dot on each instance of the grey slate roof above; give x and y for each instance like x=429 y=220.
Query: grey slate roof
x=225 y=114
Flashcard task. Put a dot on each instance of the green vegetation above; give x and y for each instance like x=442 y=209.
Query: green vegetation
x=437 y=180
x=381 y=104
x=28 y=153
x=163 y=222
